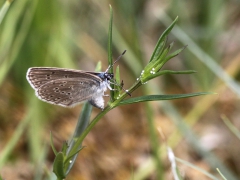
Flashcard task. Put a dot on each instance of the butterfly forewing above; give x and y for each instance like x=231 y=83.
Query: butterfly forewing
x=39 y=76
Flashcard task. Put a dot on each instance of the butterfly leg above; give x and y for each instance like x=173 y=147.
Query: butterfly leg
x=109 y=87
x=120 y=85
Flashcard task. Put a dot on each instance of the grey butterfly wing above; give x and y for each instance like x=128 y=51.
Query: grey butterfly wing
x=69 y=92
x=37 y=76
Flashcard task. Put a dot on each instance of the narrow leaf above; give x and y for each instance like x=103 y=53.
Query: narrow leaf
x=110 y=38
x=64 y=147
x=161 y=97
x=71 y=155
x=162 y=59
x=52 y=145
x=159 y=49
x=158 y=63
x=118 y=86
x=162 y=38
x=117 y=75
x=165 y=72
x=58 y=167
x=175 y=53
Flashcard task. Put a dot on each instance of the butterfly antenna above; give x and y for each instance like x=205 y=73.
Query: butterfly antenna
x=119 y=57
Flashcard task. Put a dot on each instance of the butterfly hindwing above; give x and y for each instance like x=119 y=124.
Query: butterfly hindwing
x=68 y=92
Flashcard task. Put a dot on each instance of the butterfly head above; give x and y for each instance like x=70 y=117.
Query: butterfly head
x=108 y=76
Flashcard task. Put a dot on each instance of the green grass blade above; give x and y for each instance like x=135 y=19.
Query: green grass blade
x=110 y=39
x=221 y=174
x=8 y=149
x=75 y=145
x=196 y=168
x=18 y=41
x=232 y=128
x=4 y=10
x=110 y=62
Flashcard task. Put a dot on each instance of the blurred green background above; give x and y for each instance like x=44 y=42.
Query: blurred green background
x=73 y=34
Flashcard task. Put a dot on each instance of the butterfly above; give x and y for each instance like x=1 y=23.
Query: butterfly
x=69 y=87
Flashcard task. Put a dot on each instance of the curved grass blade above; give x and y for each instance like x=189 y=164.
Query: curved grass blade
x=230 y=126
x=186 y=163
x=221 y=174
